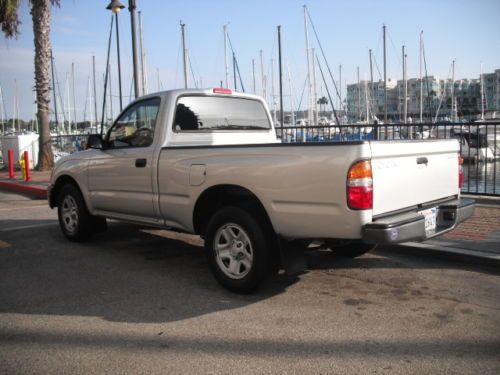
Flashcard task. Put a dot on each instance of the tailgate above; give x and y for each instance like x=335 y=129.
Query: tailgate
x=409 y=173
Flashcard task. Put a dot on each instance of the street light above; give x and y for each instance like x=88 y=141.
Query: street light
x=115 y=6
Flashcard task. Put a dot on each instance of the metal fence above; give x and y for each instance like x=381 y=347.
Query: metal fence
x=479 y=144
x=67 y=144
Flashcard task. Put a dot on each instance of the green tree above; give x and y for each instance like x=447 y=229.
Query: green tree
x=10 y=23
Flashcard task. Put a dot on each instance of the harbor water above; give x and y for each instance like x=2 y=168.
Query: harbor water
x=482 y=178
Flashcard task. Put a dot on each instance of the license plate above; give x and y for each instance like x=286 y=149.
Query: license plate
x=430 y=221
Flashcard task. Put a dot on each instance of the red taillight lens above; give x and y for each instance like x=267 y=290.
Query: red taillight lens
x=221 y=90
x=360 y=186
x=360 y=197
x=460 y=172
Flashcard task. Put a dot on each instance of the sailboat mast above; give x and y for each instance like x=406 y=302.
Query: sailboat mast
x=359 y=95
x=315 y=94
x=15 y=109
x=385 y=77
x=272 y=92
x=184 y=55
x=263 y=76
x=18 y=115
x=253 y=75
x=68 y=103
x=90 y=104
x=482 y=91
x=453 y=92
x=225 y=56
x=110 y=93
x=292 y=103
x=421 y=80
x=340 y=86
x=405 y=103
x=73 y=92
x=280 y=74
x=309 y=83
x=371 y=74
x=54 y=90
x=119 y=64
x=95 y=90
x=367 y=106
x=234 y=73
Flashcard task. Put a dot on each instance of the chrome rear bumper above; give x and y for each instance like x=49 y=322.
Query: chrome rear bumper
x=411 y=226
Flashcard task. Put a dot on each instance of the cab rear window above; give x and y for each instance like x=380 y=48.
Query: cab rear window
x=213 y=113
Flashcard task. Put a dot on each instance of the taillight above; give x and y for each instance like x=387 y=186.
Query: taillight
x=460 y=172
x=360 y=186
x=221 y=90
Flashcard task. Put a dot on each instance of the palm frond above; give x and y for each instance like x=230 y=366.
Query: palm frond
x=9 y=17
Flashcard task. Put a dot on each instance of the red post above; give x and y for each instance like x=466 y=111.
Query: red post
x=10 y=154
x=27 y=166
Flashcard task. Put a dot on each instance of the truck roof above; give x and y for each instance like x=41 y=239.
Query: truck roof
x=216 y=91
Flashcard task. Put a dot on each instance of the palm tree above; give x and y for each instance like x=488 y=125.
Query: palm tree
x=322 y=102
x=40 y=14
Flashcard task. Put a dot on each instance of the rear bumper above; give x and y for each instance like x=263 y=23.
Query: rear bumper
x=411 y=226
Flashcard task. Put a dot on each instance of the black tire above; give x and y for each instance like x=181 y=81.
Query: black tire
x=350 y=250
x=74 y=218
x=237 y=250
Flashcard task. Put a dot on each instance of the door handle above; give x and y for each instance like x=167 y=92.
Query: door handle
x=140 y=163
x=422 y=160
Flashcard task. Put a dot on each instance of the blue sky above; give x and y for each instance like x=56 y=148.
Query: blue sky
x=465 y=30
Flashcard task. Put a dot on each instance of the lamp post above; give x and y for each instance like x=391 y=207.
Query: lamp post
x=131 y=8
x=115 y=6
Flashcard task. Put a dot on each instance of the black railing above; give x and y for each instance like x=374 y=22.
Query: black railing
x=479 y=144
x=68 y=144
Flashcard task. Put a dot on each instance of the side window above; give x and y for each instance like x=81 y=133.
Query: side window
x=135 y=127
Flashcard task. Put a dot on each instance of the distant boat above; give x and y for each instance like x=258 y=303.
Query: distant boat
x=492 y=116
x=476 y=144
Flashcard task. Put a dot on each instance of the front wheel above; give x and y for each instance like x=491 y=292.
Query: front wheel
x=76 y=222
x=237 y=250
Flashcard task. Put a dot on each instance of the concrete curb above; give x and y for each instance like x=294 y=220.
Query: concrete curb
x=35 y=191
x=484 y=200
x=446 y=252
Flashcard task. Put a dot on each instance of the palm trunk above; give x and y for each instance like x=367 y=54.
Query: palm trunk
x=40 y=12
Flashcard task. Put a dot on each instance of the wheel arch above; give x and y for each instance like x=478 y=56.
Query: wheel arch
x=58 y=185
x=219 y=196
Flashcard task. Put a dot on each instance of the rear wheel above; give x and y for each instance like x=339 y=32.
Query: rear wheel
x=237 y=250
x=351 y=249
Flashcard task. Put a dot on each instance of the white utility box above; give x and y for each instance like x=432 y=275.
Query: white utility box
x=19 y=144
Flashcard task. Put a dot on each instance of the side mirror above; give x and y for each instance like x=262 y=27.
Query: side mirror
x=95 y=141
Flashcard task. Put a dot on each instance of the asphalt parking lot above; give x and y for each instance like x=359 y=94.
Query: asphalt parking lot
x=136 y=300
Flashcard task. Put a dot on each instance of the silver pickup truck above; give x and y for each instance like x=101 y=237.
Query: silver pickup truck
x=208 y=162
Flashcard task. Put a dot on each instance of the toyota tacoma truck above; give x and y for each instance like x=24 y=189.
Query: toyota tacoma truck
x=208 y=162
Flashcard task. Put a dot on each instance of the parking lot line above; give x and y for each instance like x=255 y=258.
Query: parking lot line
x=4 y=244
x=28 y=226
